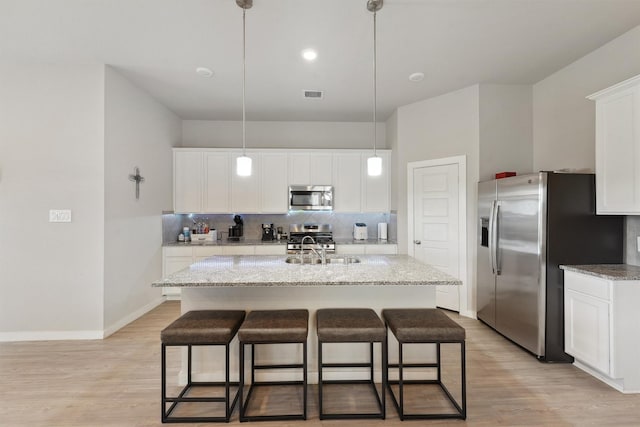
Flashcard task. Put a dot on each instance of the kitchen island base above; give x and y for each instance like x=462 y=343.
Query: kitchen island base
x=376 y=297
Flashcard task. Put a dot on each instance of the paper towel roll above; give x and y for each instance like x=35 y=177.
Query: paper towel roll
x=382 y=231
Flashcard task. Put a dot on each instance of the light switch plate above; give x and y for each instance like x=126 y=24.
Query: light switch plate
x=638 y=239
x=60 y=215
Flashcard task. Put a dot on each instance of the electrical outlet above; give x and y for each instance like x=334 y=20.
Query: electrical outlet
x=60 y=215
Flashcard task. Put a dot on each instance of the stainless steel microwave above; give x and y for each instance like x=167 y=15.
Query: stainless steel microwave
x=310 y=198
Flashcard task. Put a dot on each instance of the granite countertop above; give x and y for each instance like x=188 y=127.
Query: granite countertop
x=274 y=271
x=255 y=242
x=607 y=271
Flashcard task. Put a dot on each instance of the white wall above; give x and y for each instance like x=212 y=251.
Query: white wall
x=396 y=169
x=138 y=132
x=228 y=134
x=439 y=127
x=563 y=120
x=506 y=130
x=51 y=157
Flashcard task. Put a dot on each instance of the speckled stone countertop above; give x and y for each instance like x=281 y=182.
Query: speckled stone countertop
x=261 y=271
x=607 y=271
x=255 y=242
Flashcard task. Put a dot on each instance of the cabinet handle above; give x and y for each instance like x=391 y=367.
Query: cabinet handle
x=417 y=242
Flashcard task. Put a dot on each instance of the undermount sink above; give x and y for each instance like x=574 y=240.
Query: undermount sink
x=316 y=260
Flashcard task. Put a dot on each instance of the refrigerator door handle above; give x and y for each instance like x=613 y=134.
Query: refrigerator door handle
x=496 y=228
x=492 y=227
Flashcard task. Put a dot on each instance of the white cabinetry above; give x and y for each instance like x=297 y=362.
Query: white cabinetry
x=347 y=179
x=187 y=181
x=174 y=259
x=601 y=328
x=375 y=191
x=618 y=148
x=274 y=190
x=217 y=173
x=310 y=168
x=366 y=249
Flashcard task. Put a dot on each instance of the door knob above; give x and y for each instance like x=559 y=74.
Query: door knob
x=417 y=242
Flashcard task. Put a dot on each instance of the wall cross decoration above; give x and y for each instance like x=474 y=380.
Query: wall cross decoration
x=137 y=178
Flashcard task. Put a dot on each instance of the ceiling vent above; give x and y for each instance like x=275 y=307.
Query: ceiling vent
x=312 y=94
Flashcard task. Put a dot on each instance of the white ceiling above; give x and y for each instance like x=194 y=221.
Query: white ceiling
x=456 y=43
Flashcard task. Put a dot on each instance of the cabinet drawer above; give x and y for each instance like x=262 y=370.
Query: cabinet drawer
x=588 y=285
x=271 y=250
x=382 y=249
x=178 y=251
x=238 y=250
x=207 y=251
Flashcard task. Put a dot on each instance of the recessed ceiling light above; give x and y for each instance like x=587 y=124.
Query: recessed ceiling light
x=416 y=77
x=204 y=72
x=309 y=54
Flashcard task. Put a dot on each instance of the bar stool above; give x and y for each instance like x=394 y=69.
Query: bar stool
x=273 y=327
x=351 y=325
x=200 y=328
x=425 y=326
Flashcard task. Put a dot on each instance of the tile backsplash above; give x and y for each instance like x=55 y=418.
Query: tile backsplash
x=342 y=223
x=631 y=232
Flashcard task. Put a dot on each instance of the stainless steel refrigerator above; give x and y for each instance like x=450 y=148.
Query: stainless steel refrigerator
x=528 y=226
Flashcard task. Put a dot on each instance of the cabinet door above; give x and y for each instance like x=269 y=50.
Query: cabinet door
x=321 y=169
x=586 y=329
x=238 y=250
x=350 y=249
x=376 y=188
x=273 y=249
x=170 y=265
x=217 y=170
x=299 y=166
x=382 y=249
x=347 y=186
x=187 y=181
x=245 y=190
x=204 y=252
x=275 y=191
x=618 y=153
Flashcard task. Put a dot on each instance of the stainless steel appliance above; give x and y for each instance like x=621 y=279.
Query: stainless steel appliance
x=311 y=197
x=527 y=226
x=268 y=232
x=321 y=234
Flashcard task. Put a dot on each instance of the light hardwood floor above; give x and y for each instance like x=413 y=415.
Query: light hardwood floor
x=115 y=382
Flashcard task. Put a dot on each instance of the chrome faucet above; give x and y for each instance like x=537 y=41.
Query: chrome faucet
x=322 y=257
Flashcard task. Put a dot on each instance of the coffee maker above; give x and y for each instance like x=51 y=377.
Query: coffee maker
x=236 y=231
x=268 y=232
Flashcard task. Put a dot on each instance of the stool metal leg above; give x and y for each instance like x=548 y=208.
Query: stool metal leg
x=320 y=379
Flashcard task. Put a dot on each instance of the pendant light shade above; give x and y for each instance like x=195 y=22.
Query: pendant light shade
x=374 y=163
x=243 y=163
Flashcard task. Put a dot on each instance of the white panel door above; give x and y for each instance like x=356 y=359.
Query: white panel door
x=187 y=181
x=216 y=193
x=347 y=186
x=435 y=216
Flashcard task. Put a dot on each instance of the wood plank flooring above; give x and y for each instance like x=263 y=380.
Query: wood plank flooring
x=116 y=382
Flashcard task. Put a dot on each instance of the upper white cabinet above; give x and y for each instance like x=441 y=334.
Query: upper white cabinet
x=375 y=191
x=205 y=180
x=310 y=168
x=618 y=148
x=347 y=182
x=187 y=181
x=274 y=193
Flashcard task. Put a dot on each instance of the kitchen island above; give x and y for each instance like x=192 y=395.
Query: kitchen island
x=270 y=283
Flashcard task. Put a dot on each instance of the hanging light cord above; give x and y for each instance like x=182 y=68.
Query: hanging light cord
x=374 y=85
x=244 y=72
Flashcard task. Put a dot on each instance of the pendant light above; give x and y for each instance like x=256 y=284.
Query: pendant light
x=374 y=163
x=243 y=163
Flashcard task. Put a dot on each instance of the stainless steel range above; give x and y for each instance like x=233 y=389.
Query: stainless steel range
x=320 y=233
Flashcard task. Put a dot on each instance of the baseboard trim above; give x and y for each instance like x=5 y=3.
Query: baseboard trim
x=131 y=317
x=50 y=336
x=79 y=335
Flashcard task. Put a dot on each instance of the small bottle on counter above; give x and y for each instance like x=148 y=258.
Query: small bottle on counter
x=187 y=234
x=180 y=237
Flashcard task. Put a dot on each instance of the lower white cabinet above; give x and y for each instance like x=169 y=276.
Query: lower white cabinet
x=601 y=327
x=366 y=249
x=174 y=259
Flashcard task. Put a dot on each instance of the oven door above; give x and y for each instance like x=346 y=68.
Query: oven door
x=311 y=198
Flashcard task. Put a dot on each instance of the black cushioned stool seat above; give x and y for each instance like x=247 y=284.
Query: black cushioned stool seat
x=200 y=328
x=425 y=326
x=273 y=327
x=351 y=325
